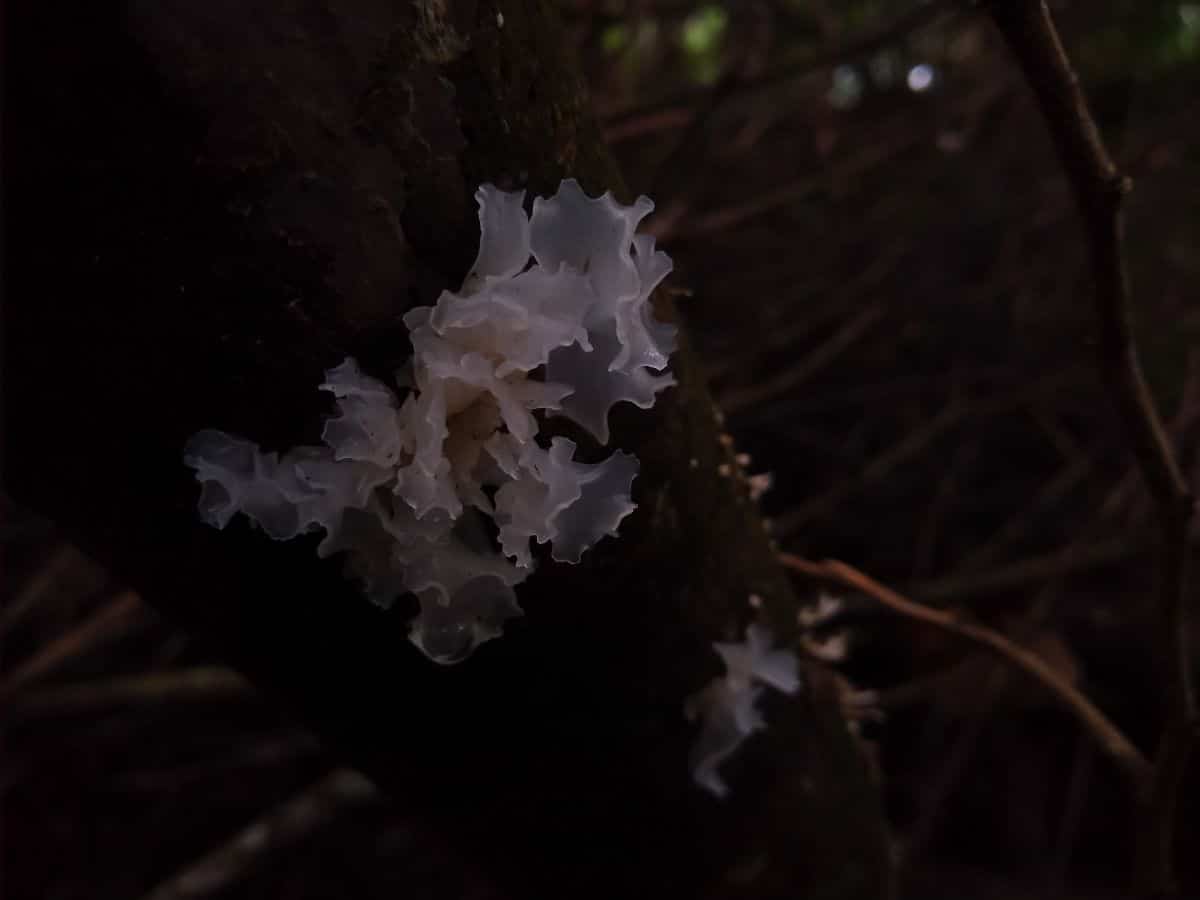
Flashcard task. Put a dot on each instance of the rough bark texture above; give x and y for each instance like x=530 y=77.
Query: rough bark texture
x=209 y=204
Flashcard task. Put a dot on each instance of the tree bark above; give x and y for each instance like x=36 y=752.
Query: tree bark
x=211 y=203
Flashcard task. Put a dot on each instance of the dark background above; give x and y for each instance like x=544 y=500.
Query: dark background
x=887 y=282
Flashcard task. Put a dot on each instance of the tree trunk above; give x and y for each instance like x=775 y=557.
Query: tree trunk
x=211 y=203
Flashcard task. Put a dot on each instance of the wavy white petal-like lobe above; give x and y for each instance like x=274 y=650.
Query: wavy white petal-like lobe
x=367 y=427
x=554 y=499
x=449 y=632
x=547 y=482
x=306 y=489
x=462 y=377
x=604 y=500
x=517 y=322
x=727 y=706
x=729 y=715
x=598 y=387
x=593 y=236
x=236 y=476
x=645 y=342
x=503 y=234
x=754 y=660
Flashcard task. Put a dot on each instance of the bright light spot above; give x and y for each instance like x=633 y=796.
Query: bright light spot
x=847 y=87
x=1189 y=15
x=920 y=77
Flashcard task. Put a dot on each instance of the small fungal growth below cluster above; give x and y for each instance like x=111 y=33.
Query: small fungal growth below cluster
x=410 y=474
x=726 y=705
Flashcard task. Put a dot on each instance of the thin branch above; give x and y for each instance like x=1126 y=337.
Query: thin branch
x=176 y=686
x=284 y=825
x=116 y=615
x=953 y=413
x=734 y=400
x=948 y=770
x=1074 y=557
x=1017 y=525
x=1107 y=735
x=1099 y=189
x=687 y=108
x=1074 y=806
x=679 y=173
x=956 y=411
x=61 y=560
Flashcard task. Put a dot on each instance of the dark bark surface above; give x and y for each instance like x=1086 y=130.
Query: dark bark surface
x=208 y=205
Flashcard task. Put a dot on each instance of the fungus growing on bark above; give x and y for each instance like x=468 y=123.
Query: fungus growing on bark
x=554 y=317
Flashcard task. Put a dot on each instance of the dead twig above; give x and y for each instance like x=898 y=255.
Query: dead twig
x=1067 y=833
x=688 y=109
x=1074 y=557
x=949 y=769
x=735 y=400
x=114 y=616
x=1017 y=524
x=1099 y=189
x=200 y=683
x=1110 y=738
x=283 y=825
x=956 y=411
x=938 y=508
x=39 y=585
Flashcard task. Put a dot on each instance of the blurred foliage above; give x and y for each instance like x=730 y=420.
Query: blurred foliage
x=615 y=38
x=700 y=36
x=1137 y=39
x=702 y=30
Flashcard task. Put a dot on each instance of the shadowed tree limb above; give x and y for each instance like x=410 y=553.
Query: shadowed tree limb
x=1110 y=738
x=696 y=112
x=1099 y=189
x=287 y=824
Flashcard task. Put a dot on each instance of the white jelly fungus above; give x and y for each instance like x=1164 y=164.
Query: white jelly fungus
x=408 y=478
x=726 y=705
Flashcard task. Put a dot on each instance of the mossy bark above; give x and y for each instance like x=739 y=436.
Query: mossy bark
x=211 y=203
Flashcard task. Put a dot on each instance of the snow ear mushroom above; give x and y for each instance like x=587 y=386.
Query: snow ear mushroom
x=553 y=318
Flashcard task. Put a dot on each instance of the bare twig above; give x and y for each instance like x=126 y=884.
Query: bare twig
x=267 y=753
x=202 y=683
x=1067 y=833
x=953 y=413
x=956 y=411
x=785 y=195
x=114 y=616
x=949 y=769
x=1073 y=557
x=846 y=336
x=39 y=585
x=1099 y=189
x=683 y=167
x=942 y=502
x=687 y=108
x=283 y=825
x=1050 y=493
x=1107 y=735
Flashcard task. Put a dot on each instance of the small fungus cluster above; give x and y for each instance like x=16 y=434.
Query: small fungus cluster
x=727 y=706
x=553 y=317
